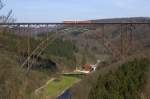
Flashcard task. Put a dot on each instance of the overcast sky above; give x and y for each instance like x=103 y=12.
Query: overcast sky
x=59 y=10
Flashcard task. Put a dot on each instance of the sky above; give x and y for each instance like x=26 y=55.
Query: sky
x=59 y=10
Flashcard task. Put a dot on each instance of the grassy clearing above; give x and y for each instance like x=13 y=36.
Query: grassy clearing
x=57 y=86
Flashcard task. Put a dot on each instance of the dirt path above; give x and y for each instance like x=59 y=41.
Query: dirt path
x=38 y=91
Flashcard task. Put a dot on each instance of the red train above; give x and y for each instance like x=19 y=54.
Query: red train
x=70 y=21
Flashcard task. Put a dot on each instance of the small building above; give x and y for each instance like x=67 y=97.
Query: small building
x=87 y=67
x=90 y=67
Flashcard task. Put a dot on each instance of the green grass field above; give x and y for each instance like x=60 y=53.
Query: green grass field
x=57 y=86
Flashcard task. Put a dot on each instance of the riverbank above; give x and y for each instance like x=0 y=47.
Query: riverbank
x=56 y=87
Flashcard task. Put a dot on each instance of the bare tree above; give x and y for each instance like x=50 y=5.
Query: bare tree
x=1 y=4
x=6 y=18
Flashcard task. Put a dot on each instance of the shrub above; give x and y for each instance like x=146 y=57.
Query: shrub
x=125 y=83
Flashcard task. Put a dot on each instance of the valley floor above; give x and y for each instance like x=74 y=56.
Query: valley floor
x=57 y=86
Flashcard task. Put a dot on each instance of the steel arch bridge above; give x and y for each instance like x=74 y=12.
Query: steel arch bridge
x=126 y=31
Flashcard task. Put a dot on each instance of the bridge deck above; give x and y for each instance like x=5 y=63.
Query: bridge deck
x=18 y=24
